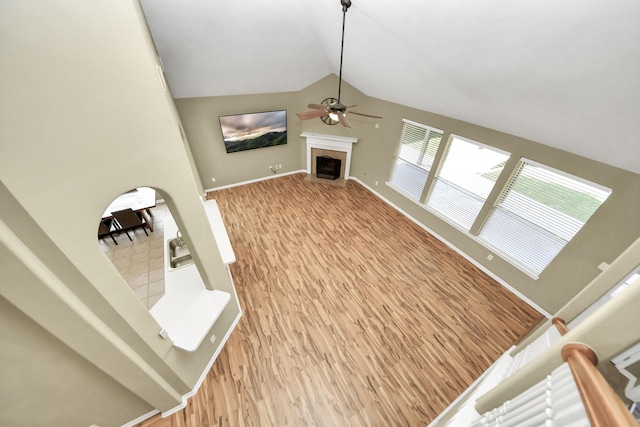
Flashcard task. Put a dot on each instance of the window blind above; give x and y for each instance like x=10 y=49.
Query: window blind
x=468 y=173
x=538 y=213
x=414 y=157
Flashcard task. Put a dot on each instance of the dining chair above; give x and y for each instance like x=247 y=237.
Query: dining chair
x=127 y=219
x=104 y=229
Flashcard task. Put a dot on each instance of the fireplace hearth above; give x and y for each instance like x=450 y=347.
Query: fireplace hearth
x=332 y=146
x=327 y=167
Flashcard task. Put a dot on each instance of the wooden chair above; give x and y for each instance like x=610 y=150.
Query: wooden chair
x=104 y=229
x=127 y=219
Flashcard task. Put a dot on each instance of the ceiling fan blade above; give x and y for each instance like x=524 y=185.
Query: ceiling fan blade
x=343 y=120
x=307 y=115
x=317 y=106
x=366 y=115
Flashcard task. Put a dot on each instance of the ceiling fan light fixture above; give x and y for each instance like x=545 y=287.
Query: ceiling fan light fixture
x=331 y=111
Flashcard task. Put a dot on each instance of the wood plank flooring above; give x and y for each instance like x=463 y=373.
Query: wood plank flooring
x=353 y=315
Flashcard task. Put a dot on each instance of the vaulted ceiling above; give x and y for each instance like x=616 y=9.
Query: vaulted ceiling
x=565 y=73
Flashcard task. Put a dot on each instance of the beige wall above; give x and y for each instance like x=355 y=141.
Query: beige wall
x=200 y=120
x=66 y=383
x=611 y=230
x=199 y=117
x=84 y=118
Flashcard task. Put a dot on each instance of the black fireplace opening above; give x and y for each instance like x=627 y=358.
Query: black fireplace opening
x=328 y=167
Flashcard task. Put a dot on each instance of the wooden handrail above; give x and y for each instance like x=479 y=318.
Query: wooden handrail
x=560 y=325
x=604 y=408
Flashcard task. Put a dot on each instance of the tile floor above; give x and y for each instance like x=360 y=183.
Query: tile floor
x=141 y=262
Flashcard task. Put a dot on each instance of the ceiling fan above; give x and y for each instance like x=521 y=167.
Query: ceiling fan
x=331 y=111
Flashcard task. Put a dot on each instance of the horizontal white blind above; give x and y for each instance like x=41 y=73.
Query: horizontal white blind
x=409 y=178
x=433 y=142
x=465 y=179
x=455 y=202
x=539 y=211
x=411 y=142
x=414 y=157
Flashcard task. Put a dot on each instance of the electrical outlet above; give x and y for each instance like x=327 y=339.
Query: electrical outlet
x=377 y=125
x=376 y=182
x=213 y=338
x=489 y=257
x=213 y=180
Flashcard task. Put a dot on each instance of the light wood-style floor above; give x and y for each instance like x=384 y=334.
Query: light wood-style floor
x=353 y=315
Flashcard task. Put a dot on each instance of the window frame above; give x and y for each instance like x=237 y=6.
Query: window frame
x=418 y=164
x=442 y=161
x=515 y=174
x=504 y=182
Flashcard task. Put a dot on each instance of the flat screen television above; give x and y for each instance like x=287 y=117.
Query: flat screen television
x=254 y=130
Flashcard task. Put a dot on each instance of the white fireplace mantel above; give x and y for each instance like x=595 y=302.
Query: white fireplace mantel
x=329 y=142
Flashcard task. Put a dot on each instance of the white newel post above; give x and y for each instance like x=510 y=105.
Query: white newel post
x=329 y=142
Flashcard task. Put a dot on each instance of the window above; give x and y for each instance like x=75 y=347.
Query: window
x=538 y=212
x=414 y=158
x=468 y=173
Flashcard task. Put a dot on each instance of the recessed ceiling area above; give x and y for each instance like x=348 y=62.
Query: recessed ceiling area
x=564 y=74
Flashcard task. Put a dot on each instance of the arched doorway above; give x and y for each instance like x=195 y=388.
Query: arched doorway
x=137 y=252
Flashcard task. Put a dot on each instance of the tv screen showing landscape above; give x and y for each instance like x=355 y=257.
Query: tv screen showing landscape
x=254 y=130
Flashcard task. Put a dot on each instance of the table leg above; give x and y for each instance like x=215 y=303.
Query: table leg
x=147 y=215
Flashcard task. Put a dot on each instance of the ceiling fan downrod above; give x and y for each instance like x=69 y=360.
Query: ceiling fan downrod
x=346 y=4
x=331 y=111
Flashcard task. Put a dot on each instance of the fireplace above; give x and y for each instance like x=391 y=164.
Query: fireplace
x=334 y=149
x=328 y=167
x=331 y=162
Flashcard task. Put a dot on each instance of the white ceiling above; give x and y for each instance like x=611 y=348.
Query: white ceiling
x=565 y=73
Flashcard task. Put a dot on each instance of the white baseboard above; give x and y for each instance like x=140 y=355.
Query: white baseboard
x=467 y=257
x=197 y=385
x=469 y=391
x=140 y=419
x=251 y=181
x=206 y=370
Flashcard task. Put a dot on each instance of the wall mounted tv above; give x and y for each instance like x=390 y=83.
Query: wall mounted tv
x=254 y=130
